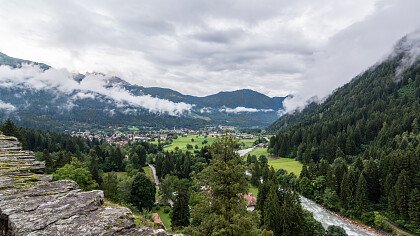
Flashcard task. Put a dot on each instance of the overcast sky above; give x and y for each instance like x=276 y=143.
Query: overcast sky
x=276 y=47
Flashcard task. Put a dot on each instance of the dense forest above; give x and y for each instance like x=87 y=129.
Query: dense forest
x=361 y=146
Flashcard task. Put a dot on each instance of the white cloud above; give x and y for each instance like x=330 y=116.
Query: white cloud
x=243 y=109
x=6 y=106
x=62 y=81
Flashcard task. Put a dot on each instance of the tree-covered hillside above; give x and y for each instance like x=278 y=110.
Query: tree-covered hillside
x=363 y=142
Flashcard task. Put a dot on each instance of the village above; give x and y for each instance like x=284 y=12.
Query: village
x=122 y=137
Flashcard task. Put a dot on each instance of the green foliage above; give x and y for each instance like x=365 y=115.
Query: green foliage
x=78 y=172
x=167 y=187
x=331 y=199
x=334 y=230
x=180 y=216
x=361 y=194
x=273 y=212
x=143 y=192
x=414 y=206
x=8 y=128
x=221 y=209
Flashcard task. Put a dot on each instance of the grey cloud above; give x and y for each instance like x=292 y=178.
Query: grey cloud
x=195 y=47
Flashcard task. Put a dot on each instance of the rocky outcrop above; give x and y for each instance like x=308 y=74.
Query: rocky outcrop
x=32 y=204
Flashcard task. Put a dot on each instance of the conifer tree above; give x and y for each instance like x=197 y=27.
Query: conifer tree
x=414 y=206
x=361 y=194
x=272 y=211
x=143 y=192
x=221 y=209
x=180 y=216
x=402 y=193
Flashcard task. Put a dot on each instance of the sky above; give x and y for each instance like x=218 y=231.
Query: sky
x=304 y=48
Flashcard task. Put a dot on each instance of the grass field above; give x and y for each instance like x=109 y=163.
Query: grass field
x=290 y=165
x=182 y=141
x=252 y=189
x=247 y=142
x=149 y=173
x=260 y=152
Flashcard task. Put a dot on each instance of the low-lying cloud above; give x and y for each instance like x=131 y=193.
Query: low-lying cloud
x=61 y=81
x=243 y=109
x=7 y=107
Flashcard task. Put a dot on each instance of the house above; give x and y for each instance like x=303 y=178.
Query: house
x=251 y=201
x=157 y=219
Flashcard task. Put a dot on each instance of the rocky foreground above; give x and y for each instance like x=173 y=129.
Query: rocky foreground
x=32 y=204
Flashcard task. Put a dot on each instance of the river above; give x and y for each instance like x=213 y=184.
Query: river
x=328 y=218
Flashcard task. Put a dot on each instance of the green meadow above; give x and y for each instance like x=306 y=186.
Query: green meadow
x=288 y=164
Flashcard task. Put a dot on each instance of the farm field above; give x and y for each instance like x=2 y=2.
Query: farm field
x=182 y=141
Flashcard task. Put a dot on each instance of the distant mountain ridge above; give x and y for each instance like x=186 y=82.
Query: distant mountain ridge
x=49 y=98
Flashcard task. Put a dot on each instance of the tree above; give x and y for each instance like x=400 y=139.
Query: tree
x=94 y=166
x=110 y=186
x=414 y=206
x=143 y=192
x=311 y=226
x=221 y=209
x=272 y=211
x=402 y=192
x=46 y=157
x=305 y=187
x=334 y=230
x=331 y=199
x=180 y=216
x=361 y=194
x=78 y=172
x=9 y=129
x=167 y=187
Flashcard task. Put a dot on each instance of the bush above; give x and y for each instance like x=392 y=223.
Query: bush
x=166 y=209
x=368 y=218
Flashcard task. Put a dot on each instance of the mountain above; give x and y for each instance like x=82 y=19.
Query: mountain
x=363 y=141
x=37 y=95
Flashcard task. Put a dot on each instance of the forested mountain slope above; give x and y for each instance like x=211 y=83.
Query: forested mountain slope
x=364 y=141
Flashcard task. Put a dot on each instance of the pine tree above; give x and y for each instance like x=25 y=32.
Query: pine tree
x=402 y=193
x=110 y=186
x=272 y=211
x=414 y=206
x=48 y=161
x=94 y=166
x=221 y=209
x=180 y=216
x=9 y=129
x=345 y=194
x=361 y=194
x=372 y=177
x=143 y=192
x=304 y=172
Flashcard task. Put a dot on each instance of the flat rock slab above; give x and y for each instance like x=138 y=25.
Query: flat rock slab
x=32 y=204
